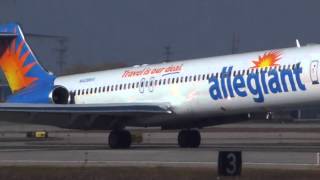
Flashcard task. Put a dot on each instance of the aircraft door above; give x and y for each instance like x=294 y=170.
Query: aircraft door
x=151 y=84
x=141 y=85
x=314 y=67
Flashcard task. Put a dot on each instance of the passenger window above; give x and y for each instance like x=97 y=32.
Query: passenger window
x=160 y=82
x=82 y=92
x=172 y=81
x=203 y=77
x=91 y=90
x=147 y=83
x=194 y=77
x=120 y=88
x=177 y=81
x=168 y=82
x=124 y=86
x=293 y=66
x=190 y=78
x=164 y=82
x=108 y=88
x=116 y=87
x=208 y=76
x=156 y=82
x=132 y=85
x=186 y=79
x=112 y=88
x=95 y=90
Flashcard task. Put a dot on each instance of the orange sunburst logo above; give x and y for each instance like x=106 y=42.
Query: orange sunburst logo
x=12 y=63
x=268 y=59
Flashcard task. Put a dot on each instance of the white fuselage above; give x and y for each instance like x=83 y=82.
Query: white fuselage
x=192 y=90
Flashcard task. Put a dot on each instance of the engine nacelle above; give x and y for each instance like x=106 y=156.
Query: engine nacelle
x=59 y=95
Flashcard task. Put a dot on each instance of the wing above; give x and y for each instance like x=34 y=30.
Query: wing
x=82 y=116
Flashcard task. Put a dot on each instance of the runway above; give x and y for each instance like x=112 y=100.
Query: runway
x=290 y=148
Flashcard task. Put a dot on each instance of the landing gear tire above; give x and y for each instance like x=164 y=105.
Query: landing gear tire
x=120 y=139
x=189 y=138
x=183 y=139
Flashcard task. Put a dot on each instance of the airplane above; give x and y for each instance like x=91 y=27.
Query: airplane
x=183 y=95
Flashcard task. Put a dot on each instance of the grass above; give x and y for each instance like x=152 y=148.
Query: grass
x=146 y=173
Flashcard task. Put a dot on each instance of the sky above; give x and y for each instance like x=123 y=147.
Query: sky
x=136 y=32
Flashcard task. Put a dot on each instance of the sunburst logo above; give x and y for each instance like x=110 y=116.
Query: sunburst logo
x=268 y=59
x=12 y=62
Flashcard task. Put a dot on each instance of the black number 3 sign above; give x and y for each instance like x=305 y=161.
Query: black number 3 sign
x=229 y=163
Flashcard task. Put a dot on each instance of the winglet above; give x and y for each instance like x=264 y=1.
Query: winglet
x=298 y=43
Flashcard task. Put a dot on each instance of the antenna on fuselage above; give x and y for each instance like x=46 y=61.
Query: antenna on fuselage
x=298 y=43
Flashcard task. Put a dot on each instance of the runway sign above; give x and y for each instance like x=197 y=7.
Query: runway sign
x=229 y=163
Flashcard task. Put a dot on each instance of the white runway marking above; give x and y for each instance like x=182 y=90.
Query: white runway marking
x=146 y=163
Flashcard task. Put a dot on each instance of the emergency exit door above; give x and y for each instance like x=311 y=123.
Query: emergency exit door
x=314 y=67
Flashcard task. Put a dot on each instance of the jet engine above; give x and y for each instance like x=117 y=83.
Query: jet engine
x=59 y=95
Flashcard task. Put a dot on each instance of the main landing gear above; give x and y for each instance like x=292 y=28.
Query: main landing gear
x=189 y=138
x=119 y=139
